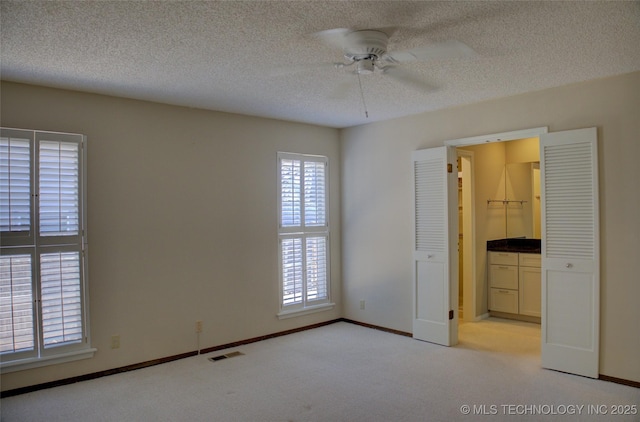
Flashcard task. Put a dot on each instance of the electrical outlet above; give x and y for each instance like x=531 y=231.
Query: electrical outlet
x=198 y=326
x=115 y=341
x=362 y=304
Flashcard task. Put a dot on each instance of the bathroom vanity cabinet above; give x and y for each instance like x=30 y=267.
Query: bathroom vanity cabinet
x=514 y=283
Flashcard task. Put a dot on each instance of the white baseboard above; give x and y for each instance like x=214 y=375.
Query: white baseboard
x=481 y=317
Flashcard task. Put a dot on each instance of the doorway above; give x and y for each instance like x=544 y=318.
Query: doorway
x=497 y=170
x=570 y=251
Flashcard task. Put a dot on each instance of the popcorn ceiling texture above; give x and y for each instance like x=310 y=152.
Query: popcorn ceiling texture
x=259 y=57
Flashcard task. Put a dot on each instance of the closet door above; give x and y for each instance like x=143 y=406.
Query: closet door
x=435 y=256
x=570 y=252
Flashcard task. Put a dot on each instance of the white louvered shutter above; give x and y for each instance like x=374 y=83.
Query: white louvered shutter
x=16 y=155
x=316 y=267
x=59 y=171
x=290 y=193
x=314 y=194
x=292 y=274
x=61 y=297
x=17 y=330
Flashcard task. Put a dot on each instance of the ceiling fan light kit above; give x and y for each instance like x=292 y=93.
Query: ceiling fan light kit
x=365 y=44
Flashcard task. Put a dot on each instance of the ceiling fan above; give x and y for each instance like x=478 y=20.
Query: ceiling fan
x=366 y=50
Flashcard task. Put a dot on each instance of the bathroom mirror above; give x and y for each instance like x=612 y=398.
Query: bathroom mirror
x=522 y=190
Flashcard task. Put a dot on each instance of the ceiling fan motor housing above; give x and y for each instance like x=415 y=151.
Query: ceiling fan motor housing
x=367 y=44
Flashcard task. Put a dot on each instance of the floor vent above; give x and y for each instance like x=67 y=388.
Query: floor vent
x=226 y=356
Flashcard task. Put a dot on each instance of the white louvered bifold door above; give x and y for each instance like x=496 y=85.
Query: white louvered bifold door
x=434 y=197
x=570 y=251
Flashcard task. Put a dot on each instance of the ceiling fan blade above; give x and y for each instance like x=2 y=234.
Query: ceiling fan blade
x=332 y=37
x=300 y=68
x=451 y=49
x=409 y=78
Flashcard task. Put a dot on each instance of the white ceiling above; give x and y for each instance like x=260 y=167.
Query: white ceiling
x=259 y=57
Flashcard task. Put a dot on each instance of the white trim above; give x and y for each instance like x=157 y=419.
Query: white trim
x=30 y=363
x=304 y=311
x=470 y=239
x=481 y=317
x=498 y=137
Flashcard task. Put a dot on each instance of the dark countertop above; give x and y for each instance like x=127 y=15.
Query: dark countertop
x=515 y=245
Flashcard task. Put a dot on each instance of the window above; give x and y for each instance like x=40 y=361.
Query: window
x=303 y=234
x=43 y=312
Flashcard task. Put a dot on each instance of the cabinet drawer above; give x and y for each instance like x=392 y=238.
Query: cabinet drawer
x=503 y=276
x=503 y=258
x=530 y=260
x=503 y=300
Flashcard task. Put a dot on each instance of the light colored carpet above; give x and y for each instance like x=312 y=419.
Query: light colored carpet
x=341 y=372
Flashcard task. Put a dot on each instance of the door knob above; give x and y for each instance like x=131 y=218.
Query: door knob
x=569 y=265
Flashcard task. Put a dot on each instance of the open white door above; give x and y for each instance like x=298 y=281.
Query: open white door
x=570 y=251
x=435 y=257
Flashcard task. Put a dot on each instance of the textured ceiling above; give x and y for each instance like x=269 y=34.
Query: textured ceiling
x=259 y=57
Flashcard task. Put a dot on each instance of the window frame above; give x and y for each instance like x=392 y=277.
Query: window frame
x=37 y=244
x=303 y=232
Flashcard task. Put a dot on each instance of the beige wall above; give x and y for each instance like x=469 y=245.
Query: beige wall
x=377 y=201
x=179 y=233
x=182 y=222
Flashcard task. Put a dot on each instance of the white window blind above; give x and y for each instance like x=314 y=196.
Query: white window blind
x=292 y=275
x=304 y=230
x=316 y=264
x=61 y=298
x=58 y=188
x=15 y=185
x=42 y=276
x=290 y=193
x=314 y=193
x=16 y=311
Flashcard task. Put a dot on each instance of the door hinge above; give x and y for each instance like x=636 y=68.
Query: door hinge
x=451 y=314
x=449 y=168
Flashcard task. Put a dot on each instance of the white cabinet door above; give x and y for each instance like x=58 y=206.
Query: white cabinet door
x=570 y=252
x=529 y=299
x=434 y=255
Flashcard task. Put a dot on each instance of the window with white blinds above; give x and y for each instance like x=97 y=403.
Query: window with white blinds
x=303 y=230
x=43 y=246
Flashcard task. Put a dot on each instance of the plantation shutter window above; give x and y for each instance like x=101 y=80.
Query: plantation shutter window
x=303 y=232
x=43 y=308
